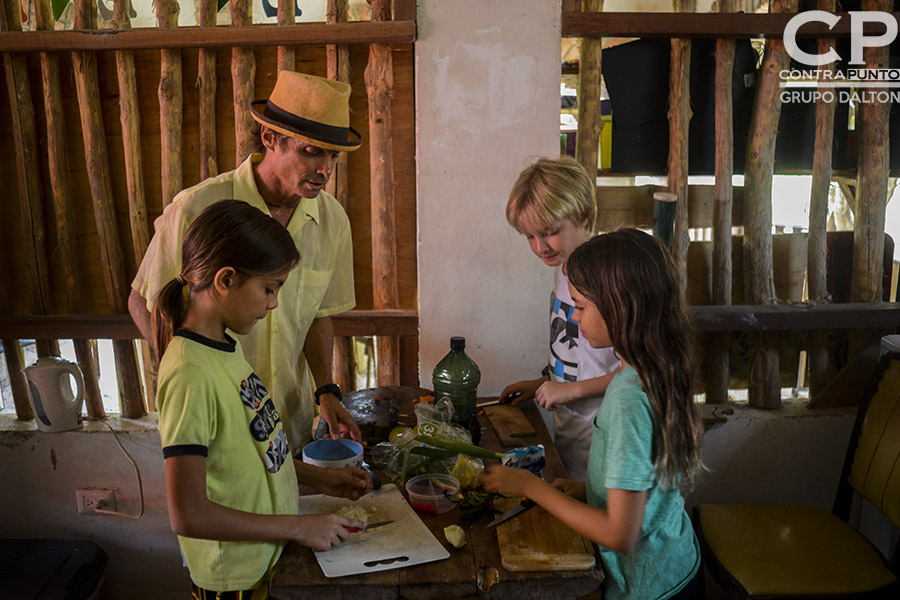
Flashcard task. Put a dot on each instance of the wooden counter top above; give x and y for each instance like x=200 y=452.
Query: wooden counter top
x=473 y=571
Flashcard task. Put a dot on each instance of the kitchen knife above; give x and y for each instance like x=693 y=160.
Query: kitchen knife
x=369 y=526
x=520 y=508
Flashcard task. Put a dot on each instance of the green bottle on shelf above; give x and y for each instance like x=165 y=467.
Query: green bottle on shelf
x=457 y=376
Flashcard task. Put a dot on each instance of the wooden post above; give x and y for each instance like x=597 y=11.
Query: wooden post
x=171 y=105
x=71 y=297
x=206 y=84
x=379 y=79
x=871 y=188
x=117 y=288
x=590 y=120
x=338 y=64
x=717 y=377
x=679 y=114
x=28 y=171
x=130 y=118
x=287 y=60
x=817 y=347
x=243 y=76
x=759 y=283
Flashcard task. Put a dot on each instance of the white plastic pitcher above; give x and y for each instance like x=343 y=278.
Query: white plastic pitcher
x=55 y=407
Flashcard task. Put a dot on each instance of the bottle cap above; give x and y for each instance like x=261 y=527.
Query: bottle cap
x=457 y=343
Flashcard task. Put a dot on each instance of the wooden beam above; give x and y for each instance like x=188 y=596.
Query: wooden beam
x=817 y=350
x=97 y=164
x=206 y=86
x=403 y=323
x=310 y=34
x=759 y=283
x=590 y=119
x=243 y=83
x=287 y=55
x=171 y=104
x=717 y=367
x=700 y=25
x=784 y=317
x=379 y=78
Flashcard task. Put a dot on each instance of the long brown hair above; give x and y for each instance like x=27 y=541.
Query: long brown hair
x=229 y=233
x=631 y=278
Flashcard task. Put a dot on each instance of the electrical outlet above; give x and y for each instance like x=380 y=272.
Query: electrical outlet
x=87 y=501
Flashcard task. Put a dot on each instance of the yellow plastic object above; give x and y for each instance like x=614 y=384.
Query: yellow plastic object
x=779 y=549
x=606 y=143
x=468 y=471
x=874 y=474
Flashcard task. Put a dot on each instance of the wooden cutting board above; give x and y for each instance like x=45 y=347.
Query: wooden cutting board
x=536 y=541
x=405 y=542
x=511 y=425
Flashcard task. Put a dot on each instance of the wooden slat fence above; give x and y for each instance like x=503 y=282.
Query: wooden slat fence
x=761 y=262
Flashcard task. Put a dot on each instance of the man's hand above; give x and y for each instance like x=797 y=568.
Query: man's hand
x=340 y=423
x=348 y=482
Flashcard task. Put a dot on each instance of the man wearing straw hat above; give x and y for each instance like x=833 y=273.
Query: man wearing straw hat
x=304 y=125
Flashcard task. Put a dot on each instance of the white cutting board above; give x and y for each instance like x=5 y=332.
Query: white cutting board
x=405 y=542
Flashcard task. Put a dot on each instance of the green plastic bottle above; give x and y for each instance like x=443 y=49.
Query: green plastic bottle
x=457 y=376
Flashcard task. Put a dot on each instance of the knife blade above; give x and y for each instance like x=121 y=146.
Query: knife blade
x=369 y=526
x=520 y=508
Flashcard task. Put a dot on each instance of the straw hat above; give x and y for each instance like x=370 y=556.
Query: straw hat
x=311 y=109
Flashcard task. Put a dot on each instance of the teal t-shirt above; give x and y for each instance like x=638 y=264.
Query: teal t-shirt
x=667 y=554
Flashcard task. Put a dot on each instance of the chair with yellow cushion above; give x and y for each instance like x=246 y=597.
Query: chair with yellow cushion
x=784 y=551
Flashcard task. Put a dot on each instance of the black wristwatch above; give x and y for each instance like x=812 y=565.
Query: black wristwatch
x=545 y=372
x=328 y=388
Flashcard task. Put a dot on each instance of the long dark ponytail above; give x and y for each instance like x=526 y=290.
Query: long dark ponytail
x=229 y=233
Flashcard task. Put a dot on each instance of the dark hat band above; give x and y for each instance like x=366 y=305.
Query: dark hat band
x=317 y=131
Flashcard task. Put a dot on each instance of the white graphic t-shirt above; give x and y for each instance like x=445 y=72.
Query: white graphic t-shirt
x=572 y=359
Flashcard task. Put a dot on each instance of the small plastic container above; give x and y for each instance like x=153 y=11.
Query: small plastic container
x=433 y=493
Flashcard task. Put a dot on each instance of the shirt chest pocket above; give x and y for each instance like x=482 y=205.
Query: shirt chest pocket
x=311 y=291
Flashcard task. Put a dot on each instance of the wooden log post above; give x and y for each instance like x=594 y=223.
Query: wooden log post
x=243 y=76
x=171 y=105
x=28 y=173
x=287 y=15
x=872 y=179
x=117 y=286
x=130 y=119
x=816 y=273
x=718 y=372
x=759 y=283
x=379 y=78
x=206 y=84
x=70 y=296
x=872 y=192
x=679 y=114
x=590 y=119
x=337 y=58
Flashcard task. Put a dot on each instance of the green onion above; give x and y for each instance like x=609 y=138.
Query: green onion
x=459 y=447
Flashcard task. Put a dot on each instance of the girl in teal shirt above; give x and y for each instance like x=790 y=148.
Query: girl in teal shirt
x=646 y=443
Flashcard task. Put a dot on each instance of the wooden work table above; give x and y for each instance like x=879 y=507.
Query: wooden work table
x=473 y=571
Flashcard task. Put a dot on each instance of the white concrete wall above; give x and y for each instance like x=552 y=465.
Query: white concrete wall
x=487 y=99
x=39 y=473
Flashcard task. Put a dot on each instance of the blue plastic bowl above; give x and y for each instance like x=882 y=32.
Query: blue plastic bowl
x=333 y=454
